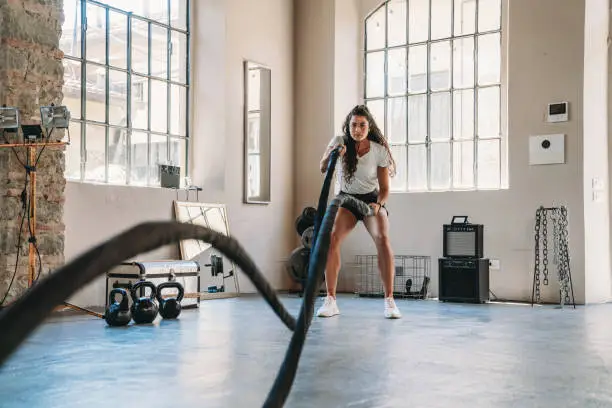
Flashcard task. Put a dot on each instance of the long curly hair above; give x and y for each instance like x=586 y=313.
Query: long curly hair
x=349 y=161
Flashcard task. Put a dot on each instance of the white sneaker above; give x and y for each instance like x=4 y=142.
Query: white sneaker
x=329 y=308
x=391 y=310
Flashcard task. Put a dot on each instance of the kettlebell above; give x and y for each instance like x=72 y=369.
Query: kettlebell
x=118 y=313
x=170 y=307
x=144 y=309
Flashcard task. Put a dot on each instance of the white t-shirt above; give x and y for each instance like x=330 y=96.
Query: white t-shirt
x=365 y=178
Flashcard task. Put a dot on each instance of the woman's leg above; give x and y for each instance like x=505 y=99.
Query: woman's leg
x=343 y=224
x=378 y=227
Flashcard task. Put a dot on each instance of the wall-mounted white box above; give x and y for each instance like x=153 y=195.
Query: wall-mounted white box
x=547 y=149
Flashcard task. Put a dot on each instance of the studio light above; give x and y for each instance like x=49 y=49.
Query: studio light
x=54 y=117
x=9 y=118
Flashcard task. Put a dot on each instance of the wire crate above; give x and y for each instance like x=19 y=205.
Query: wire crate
x=412 y=276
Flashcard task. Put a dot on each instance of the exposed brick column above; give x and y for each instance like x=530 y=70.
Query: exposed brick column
x=31 y=75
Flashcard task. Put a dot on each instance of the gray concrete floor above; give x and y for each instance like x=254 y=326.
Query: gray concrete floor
x=227 y=354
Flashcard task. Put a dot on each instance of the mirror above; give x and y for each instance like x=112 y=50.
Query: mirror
x=257 y=115
x=213 y=216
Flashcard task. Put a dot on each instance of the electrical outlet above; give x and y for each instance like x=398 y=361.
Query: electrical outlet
x=494 y=264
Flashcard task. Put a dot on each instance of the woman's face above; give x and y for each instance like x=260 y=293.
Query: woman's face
x=359 y=127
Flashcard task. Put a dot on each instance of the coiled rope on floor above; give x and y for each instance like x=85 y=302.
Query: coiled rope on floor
x=20 y=319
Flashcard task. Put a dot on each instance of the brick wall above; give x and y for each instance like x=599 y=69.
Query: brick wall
x=31 y=75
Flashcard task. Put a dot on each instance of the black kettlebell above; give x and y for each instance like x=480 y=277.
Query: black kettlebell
x=144 y=309
x=118 y=313
x=170 y=307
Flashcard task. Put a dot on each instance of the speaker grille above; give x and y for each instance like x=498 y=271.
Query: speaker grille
x=460 y=243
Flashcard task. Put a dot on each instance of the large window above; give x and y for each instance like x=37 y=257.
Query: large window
x=433 y=82
x=126 y=83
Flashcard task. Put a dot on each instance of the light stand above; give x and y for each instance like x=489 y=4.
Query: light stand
x=52 y=117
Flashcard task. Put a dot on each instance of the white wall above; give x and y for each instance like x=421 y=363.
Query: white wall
x=224 y=32
x=544 y=41
x=596 y=203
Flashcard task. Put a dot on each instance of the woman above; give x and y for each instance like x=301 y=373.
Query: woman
x=363 y=170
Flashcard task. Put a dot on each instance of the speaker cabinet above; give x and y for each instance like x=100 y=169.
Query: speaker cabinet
x=463 y=280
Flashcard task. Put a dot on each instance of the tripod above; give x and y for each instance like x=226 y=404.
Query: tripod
x=29 y=200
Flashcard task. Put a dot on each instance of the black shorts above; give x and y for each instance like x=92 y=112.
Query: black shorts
x=368 y=198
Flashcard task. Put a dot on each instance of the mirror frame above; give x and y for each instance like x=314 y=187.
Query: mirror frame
x=265 y=140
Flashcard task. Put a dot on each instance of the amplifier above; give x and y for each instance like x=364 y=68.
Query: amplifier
x=463 y=280
x=170 y=176
x=187 y=273
x=462 y=239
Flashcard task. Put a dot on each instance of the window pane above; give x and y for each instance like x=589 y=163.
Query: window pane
x=140 y=46
x=179 y=57
x=140 y=102
x=70 y=43
x=489 y=59
x=398 y=182
x=178 y=110
x=254 y=172
x=118 y=98
x=489 y=15
x=375 y=30
x=153 y=9
x=440 y=66
x=72 y=87
x=396 y=77
x=463 y=114
x=441 y=18
x=418 y=21
x=95 y=143
x=488 y=163
x=159 y=155
x=159 y=106
x=440 y=117
x=465 y=17
x=488 y=112
x=118 y=40
x=417 y=69
x=440 y=166
x=117 y=155
x=178 y=13
x=96 y=33
x=375 y=80
x=253 y=132
x=417 y=167
x=96 y=93
x=377 y=109
x=138 y=151
x=73 y=152
x=396 y=29
x=463 y=63
x=396 y=120
x=417 y=118
x=159 y=51
x=254 y=82
x=178 y=149
x=463 y=164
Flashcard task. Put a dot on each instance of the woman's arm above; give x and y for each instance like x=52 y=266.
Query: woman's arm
x=325 y=159
x=383 y=182
x=330 y=148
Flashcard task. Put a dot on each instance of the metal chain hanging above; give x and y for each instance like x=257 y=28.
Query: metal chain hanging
x=560 y=249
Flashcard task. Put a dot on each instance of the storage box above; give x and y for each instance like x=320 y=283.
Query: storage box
x=187 y=273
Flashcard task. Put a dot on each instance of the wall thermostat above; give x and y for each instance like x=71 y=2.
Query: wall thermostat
x=557 y=112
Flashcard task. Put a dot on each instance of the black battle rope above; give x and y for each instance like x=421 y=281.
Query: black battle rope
x=324 y=223
x=21 y=318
